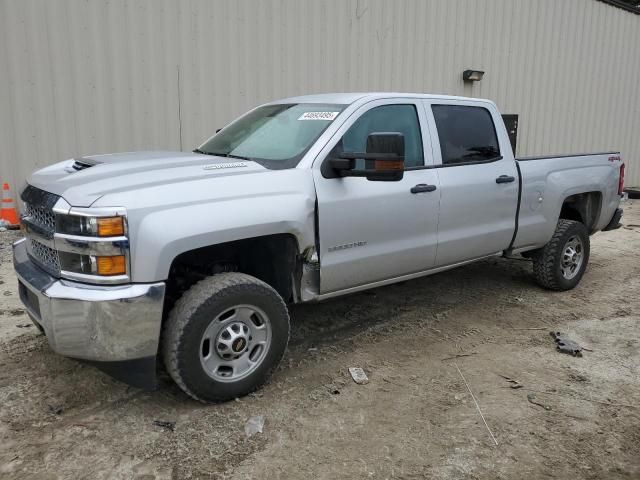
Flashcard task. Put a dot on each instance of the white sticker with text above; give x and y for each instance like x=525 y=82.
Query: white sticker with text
x=318 y=116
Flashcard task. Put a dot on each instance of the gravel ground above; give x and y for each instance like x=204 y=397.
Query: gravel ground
x=416 y=418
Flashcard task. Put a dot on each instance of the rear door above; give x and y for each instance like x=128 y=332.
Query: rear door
x=371 y=230
x=478 y=180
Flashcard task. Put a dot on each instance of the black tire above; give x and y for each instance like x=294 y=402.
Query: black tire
x=192 y=315
x=547 y=262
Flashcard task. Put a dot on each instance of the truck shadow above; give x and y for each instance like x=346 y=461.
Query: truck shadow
x=315 y=325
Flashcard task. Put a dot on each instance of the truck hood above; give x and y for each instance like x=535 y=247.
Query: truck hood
x=82 y=181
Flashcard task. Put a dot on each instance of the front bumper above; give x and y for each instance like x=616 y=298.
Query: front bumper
x=118 y=326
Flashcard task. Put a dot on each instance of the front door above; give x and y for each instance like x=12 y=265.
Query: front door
x=372 y=230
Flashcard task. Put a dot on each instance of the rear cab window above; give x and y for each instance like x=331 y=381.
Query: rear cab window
x=467 y=134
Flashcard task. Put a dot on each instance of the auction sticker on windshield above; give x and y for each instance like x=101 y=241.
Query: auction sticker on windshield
x=318 y=116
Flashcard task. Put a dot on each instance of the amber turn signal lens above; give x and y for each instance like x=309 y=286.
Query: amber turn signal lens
x=110 y=226
x=111 y=265
x=389 y=165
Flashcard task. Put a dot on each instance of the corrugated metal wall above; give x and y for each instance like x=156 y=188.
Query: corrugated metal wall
x=81 y=77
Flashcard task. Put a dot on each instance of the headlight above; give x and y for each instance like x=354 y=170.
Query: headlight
x=90 y=226
x=93 y=245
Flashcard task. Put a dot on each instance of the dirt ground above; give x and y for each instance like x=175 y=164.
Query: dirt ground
x=415 y=418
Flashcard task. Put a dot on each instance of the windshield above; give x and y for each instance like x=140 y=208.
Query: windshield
x=276 y=136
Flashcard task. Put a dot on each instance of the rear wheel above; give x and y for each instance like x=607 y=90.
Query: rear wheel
x=225 y=336
x=560 y=264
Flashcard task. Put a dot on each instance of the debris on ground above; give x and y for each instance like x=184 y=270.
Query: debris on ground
x=513 y=383
x=532 y=399
x=24 y=325
x=358 y=375
x=392 y=382
x=576 y=377
x=5 y=225
x=168 y=425
x=458 y=355
x=55 y=409
x=477 y=405
x=333 y=389
x=565 y=345
x=254 y=425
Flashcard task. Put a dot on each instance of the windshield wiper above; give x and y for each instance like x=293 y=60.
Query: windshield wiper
x=226 y=155
x=197 y=150
x=237 y=156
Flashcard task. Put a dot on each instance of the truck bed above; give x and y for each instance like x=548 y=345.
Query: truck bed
x=566 y=155
x=545 y=184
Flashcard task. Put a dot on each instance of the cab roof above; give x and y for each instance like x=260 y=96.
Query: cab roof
x=349 y=98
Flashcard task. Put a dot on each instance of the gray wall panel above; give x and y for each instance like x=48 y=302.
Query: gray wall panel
x=83 y=77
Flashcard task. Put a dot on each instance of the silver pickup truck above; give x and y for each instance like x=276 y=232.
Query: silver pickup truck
x=193 y=257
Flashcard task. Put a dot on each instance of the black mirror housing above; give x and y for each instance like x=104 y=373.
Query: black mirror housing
x=387 y=148
x=386 y=143
x=384 y=159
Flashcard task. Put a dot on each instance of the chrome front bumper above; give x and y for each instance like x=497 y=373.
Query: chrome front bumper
x=91 y=322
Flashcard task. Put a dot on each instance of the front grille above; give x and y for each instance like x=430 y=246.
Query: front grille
x=38 y=208
x=47 y=257
x=39 y=198
x=41 y=216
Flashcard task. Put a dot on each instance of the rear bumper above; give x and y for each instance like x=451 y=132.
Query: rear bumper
x=117 y=326
x=615 y=221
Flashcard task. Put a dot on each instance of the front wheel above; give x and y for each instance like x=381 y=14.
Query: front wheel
x=225 y=336
x=560 y=264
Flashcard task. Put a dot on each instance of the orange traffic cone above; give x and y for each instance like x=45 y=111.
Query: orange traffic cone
x=8 y=212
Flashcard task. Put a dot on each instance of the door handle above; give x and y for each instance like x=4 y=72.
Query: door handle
x=423 y=187
x=505 y=179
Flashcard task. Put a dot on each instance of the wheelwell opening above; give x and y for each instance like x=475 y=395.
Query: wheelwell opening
x=271 y=258
x=582 y=207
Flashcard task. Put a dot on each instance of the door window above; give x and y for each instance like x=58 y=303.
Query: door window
x=386 y=118
x=467 y=134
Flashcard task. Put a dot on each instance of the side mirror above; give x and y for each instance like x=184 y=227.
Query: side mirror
x=384 y=159
x=388 y=152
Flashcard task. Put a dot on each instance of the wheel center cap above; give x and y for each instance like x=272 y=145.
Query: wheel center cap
x=239 y=344
x=233 y=340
